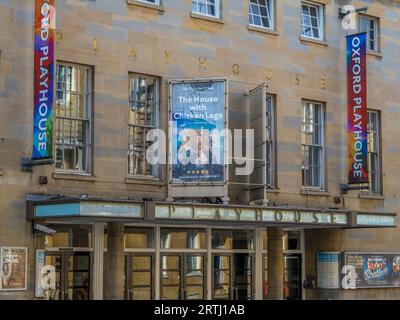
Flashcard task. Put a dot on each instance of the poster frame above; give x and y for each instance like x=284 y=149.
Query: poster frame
x=369 y=253
x=339 y=255
x=203 y=188
x=25 y=268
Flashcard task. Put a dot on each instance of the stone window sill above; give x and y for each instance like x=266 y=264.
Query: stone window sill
x=314 y=41
x=314 y=192
x=371 y=196
x=374 y=54
x=273 y=190
x=262 y=30
x=207 y=18
x=74 y=176
x=146 y=5
x=144 y=180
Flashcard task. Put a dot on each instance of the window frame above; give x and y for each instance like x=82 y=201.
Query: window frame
x=376 y=21
x=217 y=8
x=322 y=146
x=271 y=174
x=155 y=3
x=129 y=125
x=320 y=16
x=90 y=112
x=271 y=7
x=377 y=153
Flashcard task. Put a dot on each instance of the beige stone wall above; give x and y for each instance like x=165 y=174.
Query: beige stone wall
x=116 y=38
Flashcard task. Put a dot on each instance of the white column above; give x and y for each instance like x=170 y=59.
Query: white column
x=98 y=260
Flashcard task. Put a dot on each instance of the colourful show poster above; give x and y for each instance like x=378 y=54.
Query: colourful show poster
x=357 y=108
x=13 y=268
x=375 y=270
x=198 y=121
x=43 y=80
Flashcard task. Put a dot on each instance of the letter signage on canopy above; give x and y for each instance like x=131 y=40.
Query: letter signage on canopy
x=357 y=108
x=43 y=80
x=198 y=123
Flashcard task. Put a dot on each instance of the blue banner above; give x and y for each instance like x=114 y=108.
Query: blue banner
x=43 y=83
x=198 y=121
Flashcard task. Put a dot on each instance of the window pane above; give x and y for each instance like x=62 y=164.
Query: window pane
x=312 y=144
x=70 y=236
x=207 y=7
x=229 y=239
x=139 y=238
x=142 y=117
x=73 y=117
x=260 y=13
x=270 y=156
x=183 y=239
x=310 y=24
x=373 y=151
x=141 y=262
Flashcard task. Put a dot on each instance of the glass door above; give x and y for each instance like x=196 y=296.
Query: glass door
x=222 y=277
x=56 y=291
x=78 y=270
x=182 y=276
x=72 y=275
x=139 y=276
x=243 y=273
x=232 y=276
x=293 y=277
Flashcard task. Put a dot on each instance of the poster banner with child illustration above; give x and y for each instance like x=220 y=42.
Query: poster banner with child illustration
x=198 y=122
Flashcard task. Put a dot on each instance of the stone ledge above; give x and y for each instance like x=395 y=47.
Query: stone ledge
x=314 y=41
x=273 y=190
x=143 y=180
x=262 y=30
x=375 y=54
x=207 y=18
x=315 y=192
x=371 y=196
x=74 y=176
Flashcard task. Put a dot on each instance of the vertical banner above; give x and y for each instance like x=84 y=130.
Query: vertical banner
x=43 y=82
x=357 y=108
x=198 y=123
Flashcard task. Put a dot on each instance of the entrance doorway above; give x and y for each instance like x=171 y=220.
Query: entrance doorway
x=233 y=276
x=182 y=276
x=139 y=275
x=293 y=284
x=72 y=275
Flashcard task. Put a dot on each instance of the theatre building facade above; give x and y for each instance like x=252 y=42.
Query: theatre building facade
x=98 y=99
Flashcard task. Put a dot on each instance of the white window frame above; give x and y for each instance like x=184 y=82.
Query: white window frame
x=217 y=7
x=271 y=9
x=155 y=3
x=320 y=15
x=89 y=110
x=376 y=153
x=271 y=142
x=321 y=185
x=376 y=32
